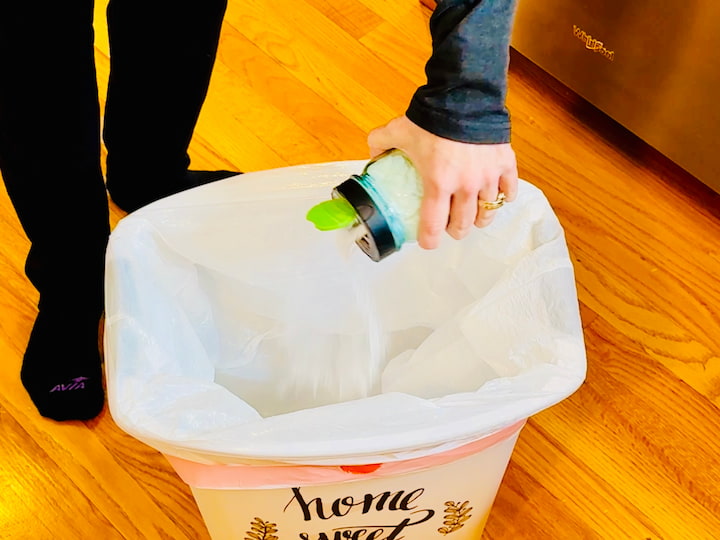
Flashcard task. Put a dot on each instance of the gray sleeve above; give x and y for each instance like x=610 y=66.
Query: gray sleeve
x=464 y=98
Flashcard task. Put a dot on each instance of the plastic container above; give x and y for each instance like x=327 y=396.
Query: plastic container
x=446 y=494
x=383 y=202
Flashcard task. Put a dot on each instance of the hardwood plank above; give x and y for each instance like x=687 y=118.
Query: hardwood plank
x=543 y=496
x=664 y=231
x=399 y=47
x=403 y=14
x=71 y=510
x=278 y=107
x=618 y=438
x=360 y=85
x=98 y=462
x=350 y=15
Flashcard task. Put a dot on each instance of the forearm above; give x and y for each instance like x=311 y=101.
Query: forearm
x=464 y=98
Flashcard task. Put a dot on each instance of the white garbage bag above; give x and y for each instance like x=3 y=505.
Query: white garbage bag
x=236 y=332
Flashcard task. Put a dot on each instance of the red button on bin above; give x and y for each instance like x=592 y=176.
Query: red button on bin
x=361 y=469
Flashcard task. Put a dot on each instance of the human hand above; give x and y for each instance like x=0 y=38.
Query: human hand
x=456 y=177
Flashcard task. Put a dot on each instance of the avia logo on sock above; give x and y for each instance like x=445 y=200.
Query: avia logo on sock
x=76 y=384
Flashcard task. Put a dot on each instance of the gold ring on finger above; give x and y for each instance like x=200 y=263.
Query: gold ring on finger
x=493 y=205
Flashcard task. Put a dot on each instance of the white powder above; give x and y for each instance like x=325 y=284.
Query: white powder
x=398 y=182
x=336 y=367
x=330 y=368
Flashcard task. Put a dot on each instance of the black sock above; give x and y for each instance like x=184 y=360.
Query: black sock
x=132 y=192
x=62 y=369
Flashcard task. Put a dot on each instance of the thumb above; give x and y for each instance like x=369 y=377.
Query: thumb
x=383 y=138
x=377 y=141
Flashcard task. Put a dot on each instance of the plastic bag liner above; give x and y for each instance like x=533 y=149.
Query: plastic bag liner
x=236 y=332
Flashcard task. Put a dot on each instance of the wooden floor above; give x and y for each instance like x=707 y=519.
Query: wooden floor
x=634 y=454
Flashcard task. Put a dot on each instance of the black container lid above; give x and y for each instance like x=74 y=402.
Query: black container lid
x=378 y=242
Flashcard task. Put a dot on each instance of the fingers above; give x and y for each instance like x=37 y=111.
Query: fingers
x=505 y=182
x=456 y=206
x=457 y=197
x=457 y=178
x=463 y=212
x=489 y=193
x=509 y=180
x=434 y=211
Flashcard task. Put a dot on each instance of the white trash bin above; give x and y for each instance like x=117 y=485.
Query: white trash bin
x=432 y=496
x=306 y=392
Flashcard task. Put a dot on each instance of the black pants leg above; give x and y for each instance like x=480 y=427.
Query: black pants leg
x=162 y=54
x=50 y=163
x=50 y=147
x=162 y=57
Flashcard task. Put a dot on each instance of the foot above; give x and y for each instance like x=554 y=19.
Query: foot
x=129 y=196
x=62 y=369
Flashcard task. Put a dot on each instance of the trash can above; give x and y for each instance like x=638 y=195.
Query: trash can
x=303 y=391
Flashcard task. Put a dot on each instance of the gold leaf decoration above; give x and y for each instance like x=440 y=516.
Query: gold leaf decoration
x=262 y=530
x=456 y=514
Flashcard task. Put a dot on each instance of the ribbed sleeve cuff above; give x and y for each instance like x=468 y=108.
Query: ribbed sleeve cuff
x=488 y=127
